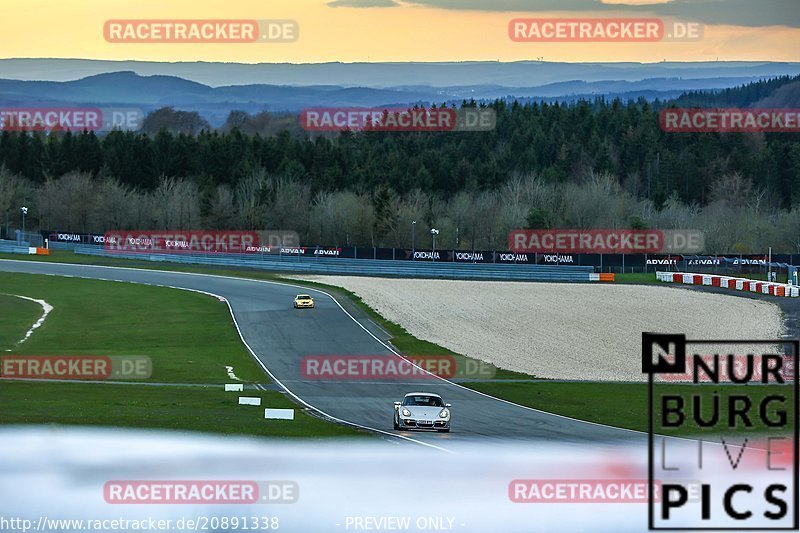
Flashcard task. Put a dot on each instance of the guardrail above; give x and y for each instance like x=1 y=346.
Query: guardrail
x=722 y=264
x=367 y=267
x=62 y=246
x=10 y=247
x=728 y=282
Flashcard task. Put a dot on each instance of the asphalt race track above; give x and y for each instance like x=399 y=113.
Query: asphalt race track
x=280 y=336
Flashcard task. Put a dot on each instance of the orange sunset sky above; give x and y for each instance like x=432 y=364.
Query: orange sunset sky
x=387 y=30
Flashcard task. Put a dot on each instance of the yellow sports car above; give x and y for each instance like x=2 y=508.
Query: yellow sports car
x=303 y=300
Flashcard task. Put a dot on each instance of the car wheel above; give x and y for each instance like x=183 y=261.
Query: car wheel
x=443 y=430
x=396 y=425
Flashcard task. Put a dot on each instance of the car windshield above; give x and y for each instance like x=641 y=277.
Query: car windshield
x=427 y=401
x=303 y=297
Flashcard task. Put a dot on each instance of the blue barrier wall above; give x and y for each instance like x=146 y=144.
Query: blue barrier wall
x=363 y=267
x=10 y=247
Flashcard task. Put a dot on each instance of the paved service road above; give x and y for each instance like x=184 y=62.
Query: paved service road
x=280 y=336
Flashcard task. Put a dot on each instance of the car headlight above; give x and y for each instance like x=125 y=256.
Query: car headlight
x=406 y=412
x=444 y=414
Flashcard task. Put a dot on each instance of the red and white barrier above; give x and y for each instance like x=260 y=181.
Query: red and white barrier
x=727 y=282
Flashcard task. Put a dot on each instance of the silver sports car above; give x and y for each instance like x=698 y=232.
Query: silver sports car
x=422 y=410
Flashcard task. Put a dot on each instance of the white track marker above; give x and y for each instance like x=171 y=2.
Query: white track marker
x=229 y=370
x=233 y=387
x=280 y=414
x=46 y=308
x=246 y=400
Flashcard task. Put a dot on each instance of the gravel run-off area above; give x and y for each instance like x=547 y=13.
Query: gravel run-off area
x=558 y=330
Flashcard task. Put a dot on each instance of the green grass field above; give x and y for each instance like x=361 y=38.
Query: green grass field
x=622 y=405
x=196 y=408
x=189 y=337
x=636 y=277
x=18 y=316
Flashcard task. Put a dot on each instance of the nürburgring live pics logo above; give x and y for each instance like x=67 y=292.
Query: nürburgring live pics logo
x=736 y=419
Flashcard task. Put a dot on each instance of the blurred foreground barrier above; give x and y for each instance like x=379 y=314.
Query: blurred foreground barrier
x=727 y=282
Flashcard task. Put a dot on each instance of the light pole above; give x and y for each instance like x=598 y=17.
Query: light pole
x=769 y=260
x=413 y=231
x=24 y=211
x=434 y=233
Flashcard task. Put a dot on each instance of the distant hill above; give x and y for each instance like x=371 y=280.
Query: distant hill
x=149 y=92
x=107 y=89
x=388 y=75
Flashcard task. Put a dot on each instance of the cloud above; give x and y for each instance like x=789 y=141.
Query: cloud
x=750 y=13
x=363 y=3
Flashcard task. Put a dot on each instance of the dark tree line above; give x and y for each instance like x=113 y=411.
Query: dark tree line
x=559 y=142
x=743 y=96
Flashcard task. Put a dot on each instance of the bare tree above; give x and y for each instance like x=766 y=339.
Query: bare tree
x=66 y=203
x=11 y=187
x=222 y=213
x=348 y=218
x=175 y=204
x=249 y=200
x=113 y=208
x=288 y=209
x=732 y=189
